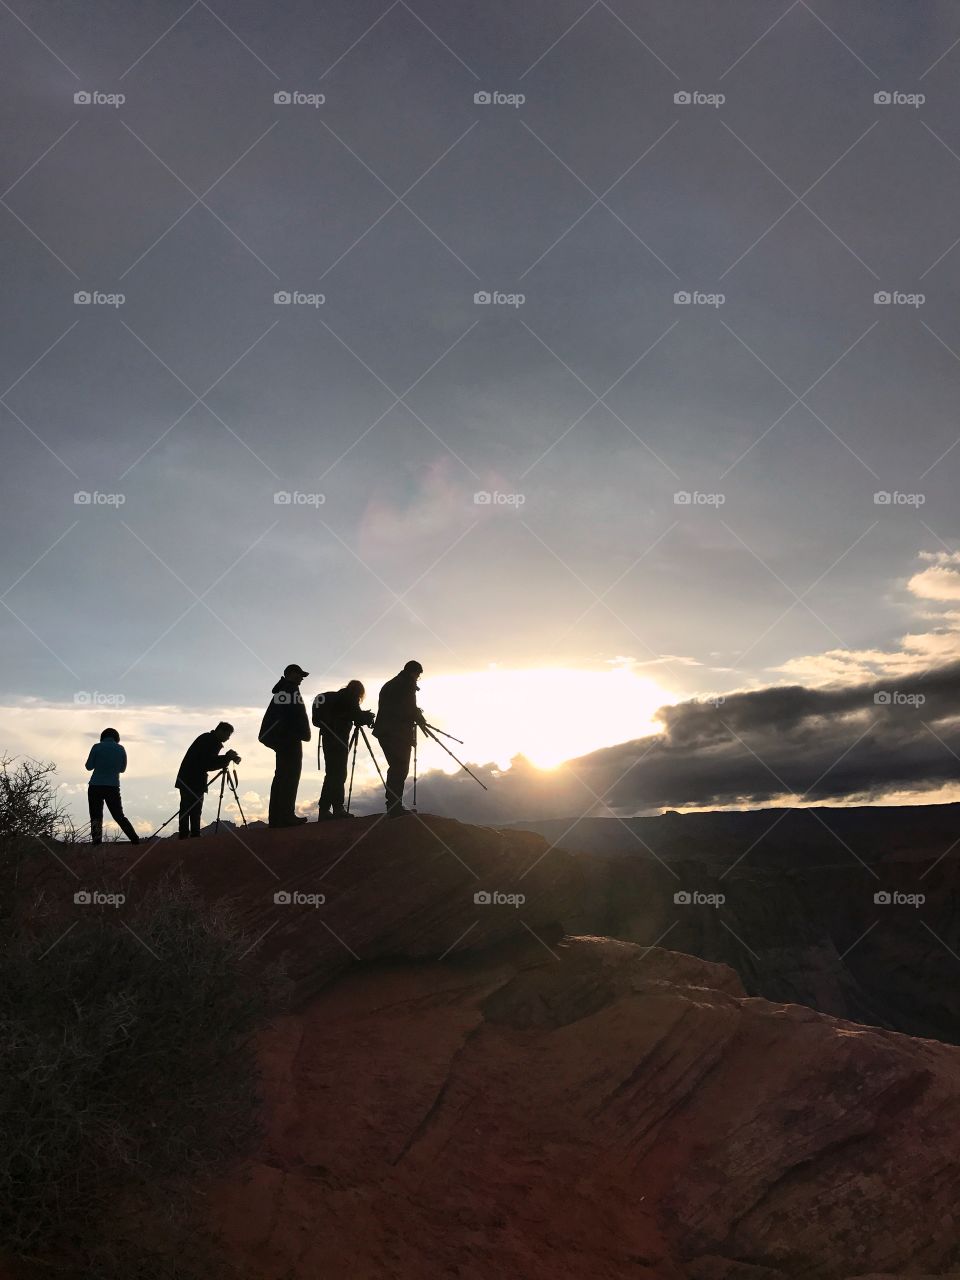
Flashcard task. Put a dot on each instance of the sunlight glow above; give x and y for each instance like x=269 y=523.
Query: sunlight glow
x=548 y=714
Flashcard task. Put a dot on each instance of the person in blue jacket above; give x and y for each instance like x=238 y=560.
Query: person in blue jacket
x=108 y=760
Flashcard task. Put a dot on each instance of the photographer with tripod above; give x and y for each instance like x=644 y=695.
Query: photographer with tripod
x=337 y=715
x=202 y=757
x=395 y=728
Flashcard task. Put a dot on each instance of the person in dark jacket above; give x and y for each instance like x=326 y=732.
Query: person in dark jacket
x=395 y=727
x=284 y=729
x=336 y=714
x=203 y=757
x=108 y=760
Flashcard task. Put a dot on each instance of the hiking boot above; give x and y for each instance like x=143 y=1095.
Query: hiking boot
x=341 y=813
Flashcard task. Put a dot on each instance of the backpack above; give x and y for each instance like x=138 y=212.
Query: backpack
x=320 y=714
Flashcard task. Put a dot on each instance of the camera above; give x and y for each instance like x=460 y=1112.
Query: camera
x=232 y=756
x=366 y=719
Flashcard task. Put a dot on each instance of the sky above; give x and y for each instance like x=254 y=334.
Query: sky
x=604 y=357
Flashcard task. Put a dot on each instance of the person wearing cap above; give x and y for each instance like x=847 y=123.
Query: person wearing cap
x=108 y=760
x=203 y=756
x=395 y=729
x=284 y=729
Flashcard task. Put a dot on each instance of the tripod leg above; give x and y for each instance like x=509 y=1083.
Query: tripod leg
x=233 y=787
x=353 y=765
x=414 y=769
x=223 y=778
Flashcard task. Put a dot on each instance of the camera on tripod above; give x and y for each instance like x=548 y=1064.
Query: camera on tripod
x=365 y=719
x=231 y=757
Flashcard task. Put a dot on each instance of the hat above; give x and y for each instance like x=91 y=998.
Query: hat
x=292 y=671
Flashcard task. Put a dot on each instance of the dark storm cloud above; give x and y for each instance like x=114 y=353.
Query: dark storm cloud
x=754 y=747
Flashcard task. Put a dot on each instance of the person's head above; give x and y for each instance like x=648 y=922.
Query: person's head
x=223 y=730
x=413 y=669
x=293 y=673
x=356 y=690
x=110 y=734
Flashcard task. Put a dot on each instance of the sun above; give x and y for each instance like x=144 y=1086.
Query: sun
x=547 y=714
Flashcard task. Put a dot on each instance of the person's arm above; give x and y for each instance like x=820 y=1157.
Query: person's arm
x=92 y=757
x=122 y=766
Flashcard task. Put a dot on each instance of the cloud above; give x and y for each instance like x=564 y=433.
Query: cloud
x=782 y=744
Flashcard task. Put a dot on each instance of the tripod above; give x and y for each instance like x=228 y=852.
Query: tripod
x=232 y=782
x=432 y=732
x=358 y=733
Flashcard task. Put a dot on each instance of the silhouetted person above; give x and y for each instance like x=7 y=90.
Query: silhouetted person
x=284 y=729
x=203 y=757
x=108 y=760
x=395 y=728
x=335 y=715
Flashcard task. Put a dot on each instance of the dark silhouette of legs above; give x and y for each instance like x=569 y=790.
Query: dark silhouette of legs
x=334 y=774
x=97 y=797
x=283 y=789
x=191 y=805
x=397 y=750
